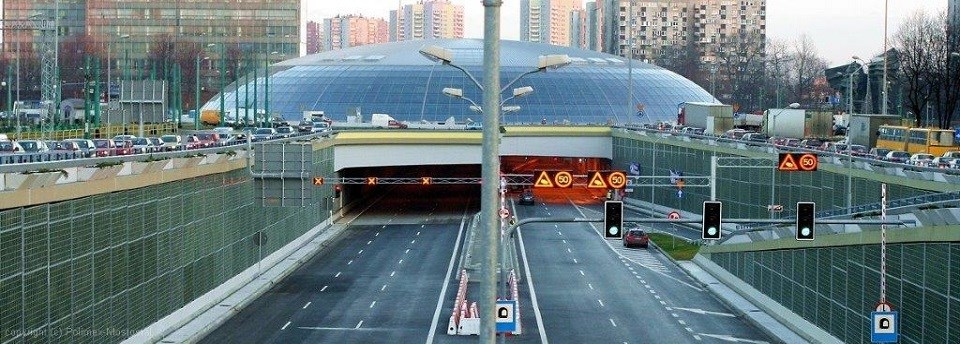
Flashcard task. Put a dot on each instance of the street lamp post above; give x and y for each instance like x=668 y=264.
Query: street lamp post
x=489 y=201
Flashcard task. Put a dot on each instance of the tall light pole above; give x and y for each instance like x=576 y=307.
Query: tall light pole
x=223 y=72
x=886 y=56
x=196 y=84
x=491 y=167
x=630 y=60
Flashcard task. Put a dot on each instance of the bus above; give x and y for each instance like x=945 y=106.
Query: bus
x=917 y=140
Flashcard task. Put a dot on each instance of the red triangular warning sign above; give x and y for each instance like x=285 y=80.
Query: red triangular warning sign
x=543 y=180
x=597 y=181
x=788 y=163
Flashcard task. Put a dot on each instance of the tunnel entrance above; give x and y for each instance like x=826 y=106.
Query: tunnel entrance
x=404 y=202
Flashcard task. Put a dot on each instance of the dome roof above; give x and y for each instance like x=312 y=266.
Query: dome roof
x=395 y=79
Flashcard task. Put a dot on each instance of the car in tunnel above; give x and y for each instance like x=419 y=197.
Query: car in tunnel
x=526 y=198
x=636 y=237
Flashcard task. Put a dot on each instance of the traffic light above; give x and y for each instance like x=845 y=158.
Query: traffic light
x=711 y=220
x=805 y=220
x=613 y=219
x=336 y=191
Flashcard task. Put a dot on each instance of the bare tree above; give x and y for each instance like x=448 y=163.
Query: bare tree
x=775 y=68
x=913 y=41
x=804 y=69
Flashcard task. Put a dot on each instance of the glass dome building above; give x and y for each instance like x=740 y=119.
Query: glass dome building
x=395 y=79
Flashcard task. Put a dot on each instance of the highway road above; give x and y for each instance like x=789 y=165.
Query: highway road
x=590 y=289
x=380 y=282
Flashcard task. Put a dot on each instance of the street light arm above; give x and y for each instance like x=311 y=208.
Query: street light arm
x=471 y=102
x=469 y=75
x=505 y=88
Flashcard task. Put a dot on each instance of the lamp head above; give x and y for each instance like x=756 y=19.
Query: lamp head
x=794 y=105
x=453 y=92
x=437 y=53
x=522 y=91
x=553 y=61
x=511 y=108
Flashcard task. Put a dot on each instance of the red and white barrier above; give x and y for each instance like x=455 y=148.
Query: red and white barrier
x=515 y=295
x=459 y=305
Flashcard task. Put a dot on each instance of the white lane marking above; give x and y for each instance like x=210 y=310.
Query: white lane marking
x=306 y=305
x=560 y=233
x=446 y=281
x=533 y=294
x=392 y=272
x=383 y=287
x=368 y=242
x=590 y=285
x=614 y=324
x=729 y=338
x=568 y=250
x=373 y=303
x=703 y=312
x=697 y=337
x=663 y=303
x=548 y=214
x=361 y=251
x=656 y=297
x=358 y=324
x=350 y=262
x=413 y=241
x=378 y=233
x=564 y=241
x=337 y=275
x=581 y=273
x=689 y=329
x=675 y=315
x=556 y=226
x=575 y=261
x=601 y=302
x=600 y=235
x=407 y=251
x=418 y=232
x=684 y=323
x=324 y=288
x=400 y=261
x=285 y=326
x=384 y=226
x=653 y=291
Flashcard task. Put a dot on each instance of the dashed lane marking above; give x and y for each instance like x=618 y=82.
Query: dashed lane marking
x=306 y=305
x=601 y=302
x=613 y=323
x=581 y=273
x=383 y=287
x=359 y=324
x=350 y=262
x=392 y=272
x=324 y=288
x=373 y=303
x=285 y=326
x=337 y=275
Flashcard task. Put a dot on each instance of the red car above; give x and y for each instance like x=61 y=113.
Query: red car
x=123 y=147
x=208 y=139
x=192 y=142
x=104 y=147
x=636 y=237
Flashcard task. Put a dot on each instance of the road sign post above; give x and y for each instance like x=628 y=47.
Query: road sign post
x=885 y=327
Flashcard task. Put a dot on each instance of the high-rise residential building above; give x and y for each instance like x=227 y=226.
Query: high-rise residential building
x=342 y=32
x=557 y=22
x=426 y=19
x=592 y=31
x=661 y=28
x=314 y=38
x=953 y=12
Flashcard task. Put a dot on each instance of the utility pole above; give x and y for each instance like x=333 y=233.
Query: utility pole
x=490 y=224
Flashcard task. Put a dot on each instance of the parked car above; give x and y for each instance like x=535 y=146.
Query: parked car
x=811 y=144
x=87 y=147
x=526 y=198
x=65 y=146
x=285 y=132
x=10 y=147
x=636 y=237
x=170 y=142
x=792 y=142
x=879 y=153
x=142 y=145
x=157 y=143
x=208 y=139
x=735 y=134
x=951 y=154
x=474 y=126
x=192 y=142
x=897 y=156
x=123 y=147
x=305 y=127
x=692 y=131
x=123 y=137
x=944 y=162
x=921 y=159
x=320 y=126
x=104 y=147
x=33 y=146
x=264 y=134
x=755 y=138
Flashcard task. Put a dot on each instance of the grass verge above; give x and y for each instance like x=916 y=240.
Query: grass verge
x=678 y=249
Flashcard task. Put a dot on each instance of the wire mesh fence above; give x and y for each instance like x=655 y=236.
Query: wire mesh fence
x=100 y=268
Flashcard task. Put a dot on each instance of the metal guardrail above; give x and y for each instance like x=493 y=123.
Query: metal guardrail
x=106 y=131
x=39 y=164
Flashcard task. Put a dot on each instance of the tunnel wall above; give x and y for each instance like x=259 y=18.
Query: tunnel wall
x=98 y=269
x=745 y=192
x=836 y=288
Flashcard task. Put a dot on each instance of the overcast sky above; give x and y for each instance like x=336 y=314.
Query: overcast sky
x=840 y=28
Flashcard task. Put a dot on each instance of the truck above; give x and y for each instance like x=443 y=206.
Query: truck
x=797 y=123
x=713 y=117
x=385 y=121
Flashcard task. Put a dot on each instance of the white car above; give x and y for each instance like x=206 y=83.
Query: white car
x=921 y=159
x=944 y=162
x=33 y=146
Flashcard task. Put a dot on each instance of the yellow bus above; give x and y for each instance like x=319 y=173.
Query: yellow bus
x=916 y=140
